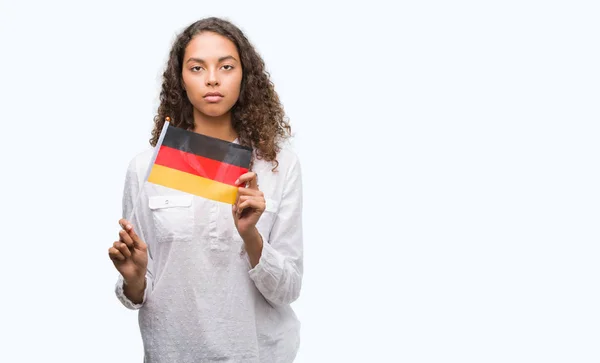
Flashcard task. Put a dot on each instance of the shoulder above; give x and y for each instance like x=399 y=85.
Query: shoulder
x=287 y=174
x=138 y=164
x=288 y=162
x=288 y=157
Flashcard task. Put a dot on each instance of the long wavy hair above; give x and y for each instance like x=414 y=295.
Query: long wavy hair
x=257 y=117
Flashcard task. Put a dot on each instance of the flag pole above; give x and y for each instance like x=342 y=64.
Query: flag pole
x=156 y=149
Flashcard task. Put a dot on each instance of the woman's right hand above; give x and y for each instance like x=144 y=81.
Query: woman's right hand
x=129 y=255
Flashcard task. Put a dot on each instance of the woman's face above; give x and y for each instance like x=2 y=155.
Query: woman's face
x=212 y=74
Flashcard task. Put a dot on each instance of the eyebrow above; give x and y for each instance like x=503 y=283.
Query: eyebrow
x=199 y=60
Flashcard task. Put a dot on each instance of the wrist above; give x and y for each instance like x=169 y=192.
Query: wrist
x=137 y=282
x=134 y=290
x=253 y=243
x=252 y=239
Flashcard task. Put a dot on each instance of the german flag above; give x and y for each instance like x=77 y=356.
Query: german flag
x=198 y=164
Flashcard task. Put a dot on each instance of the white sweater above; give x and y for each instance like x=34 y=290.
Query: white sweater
x=204 y=302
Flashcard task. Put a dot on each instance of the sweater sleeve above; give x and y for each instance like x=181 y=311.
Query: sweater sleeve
x=131 y=191
x=278 y=274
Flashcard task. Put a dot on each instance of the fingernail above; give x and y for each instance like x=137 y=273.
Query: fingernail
x=129 y=227
x=237 y=182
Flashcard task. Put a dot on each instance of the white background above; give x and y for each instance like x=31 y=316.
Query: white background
x=450 y=158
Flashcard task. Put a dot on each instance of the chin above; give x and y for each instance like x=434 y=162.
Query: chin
x=213 y=112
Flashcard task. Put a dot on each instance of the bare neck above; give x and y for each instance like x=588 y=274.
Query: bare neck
x=219 y=127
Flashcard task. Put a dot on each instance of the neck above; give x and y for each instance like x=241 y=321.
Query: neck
x=219 y=127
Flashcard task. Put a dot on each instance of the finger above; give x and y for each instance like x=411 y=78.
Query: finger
x=137 y=241
x=125 y=238
x=122 y=247
x=235 y=204
x=246 y=178
x=244 y=198
x=242 y=195
x=115 y=254
x=254 y=182
x=240 y=200
x=248 y=191
x=251 y=203
x=125 y=224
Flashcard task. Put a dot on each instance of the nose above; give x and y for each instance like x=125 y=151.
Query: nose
x=211 y=79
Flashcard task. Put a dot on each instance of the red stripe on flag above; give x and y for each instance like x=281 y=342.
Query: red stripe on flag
x=198 y=165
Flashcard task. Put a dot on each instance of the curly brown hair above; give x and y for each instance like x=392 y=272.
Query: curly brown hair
x=257 y=117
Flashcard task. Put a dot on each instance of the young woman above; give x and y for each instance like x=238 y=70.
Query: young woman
x=212 y=281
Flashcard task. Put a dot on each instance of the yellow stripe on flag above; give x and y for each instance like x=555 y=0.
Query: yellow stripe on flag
x=193 y=184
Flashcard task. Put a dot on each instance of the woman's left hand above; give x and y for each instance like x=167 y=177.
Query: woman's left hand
x=249 y=206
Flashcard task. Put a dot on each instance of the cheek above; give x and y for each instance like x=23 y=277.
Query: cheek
x=234 y=88
x=190 y=88
x=235 y=85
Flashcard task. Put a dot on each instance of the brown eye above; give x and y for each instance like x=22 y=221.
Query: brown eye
x=195 y=69
x=227 y=65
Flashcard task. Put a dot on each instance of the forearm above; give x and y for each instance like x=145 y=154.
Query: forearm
x=277 y=277
x=134 y=290
x=277 y=261
x=253 y=244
